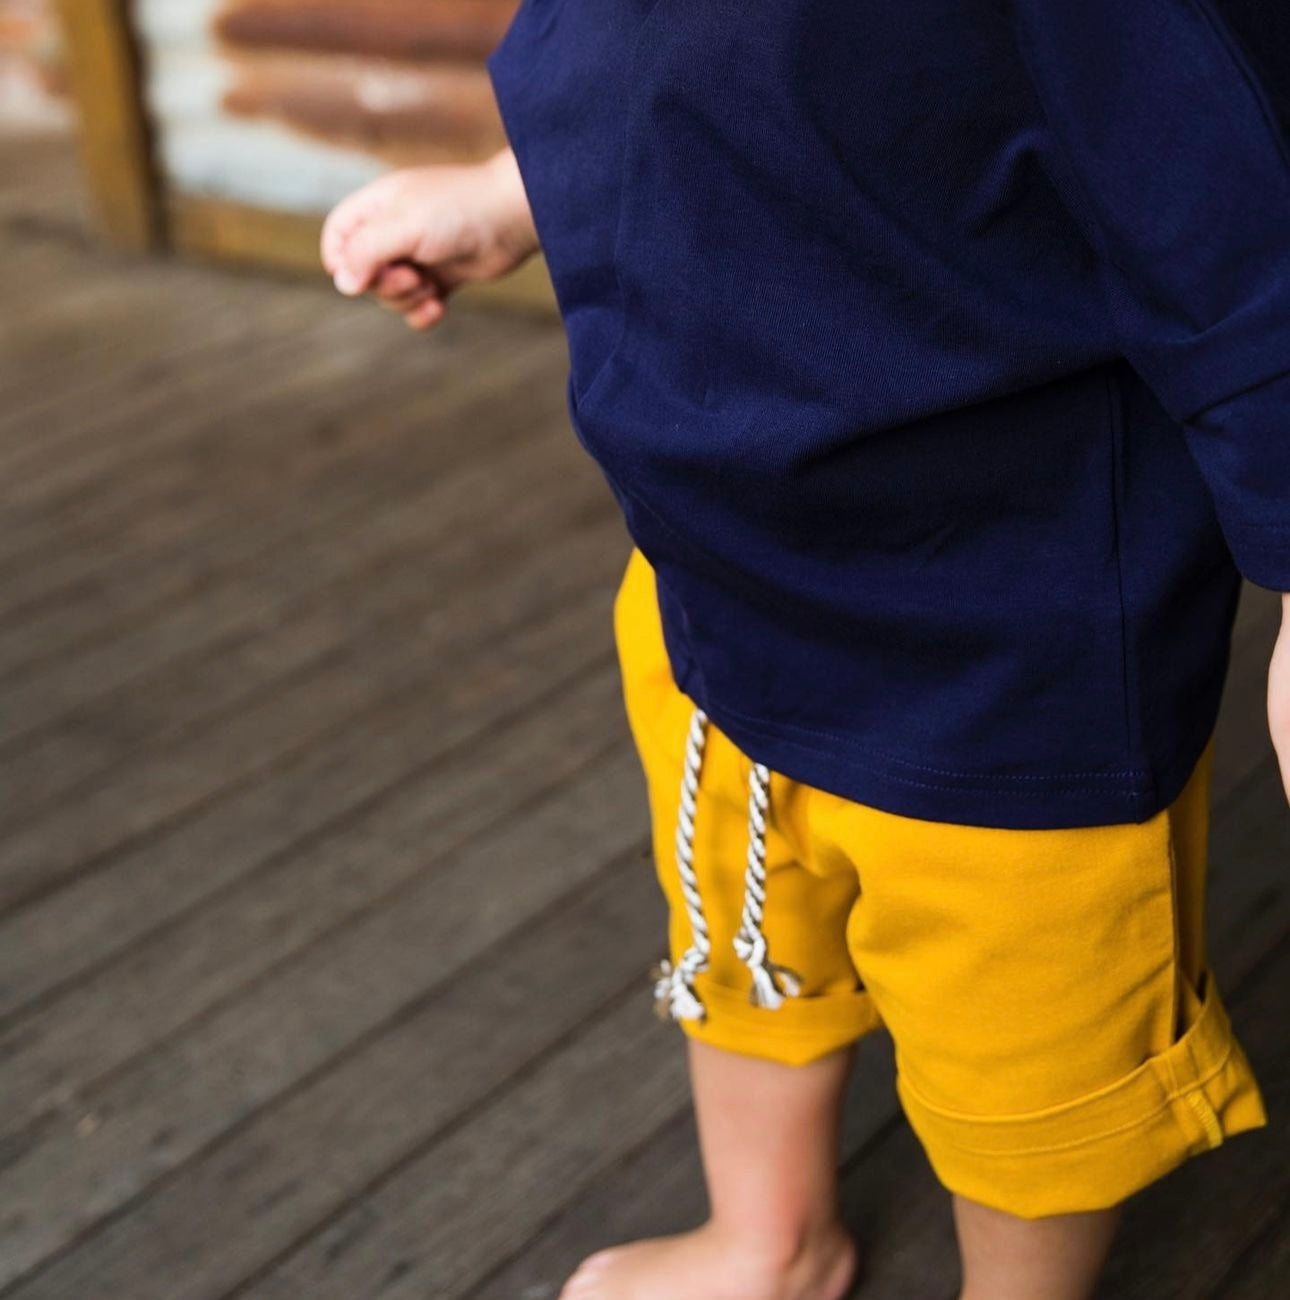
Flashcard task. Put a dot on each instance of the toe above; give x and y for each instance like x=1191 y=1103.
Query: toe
x=585 y=1279
x=581 y=1286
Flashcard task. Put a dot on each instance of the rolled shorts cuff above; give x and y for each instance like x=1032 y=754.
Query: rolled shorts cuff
x=801 y=1029
x=1094 y=1151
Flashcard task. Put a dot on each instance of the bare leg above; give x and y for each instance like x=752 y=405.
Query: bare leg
x=1057 y=1257
x=768 y=1134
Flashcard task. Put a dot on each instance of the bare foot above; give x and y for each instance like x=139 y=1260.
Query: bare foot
x=706 y=1265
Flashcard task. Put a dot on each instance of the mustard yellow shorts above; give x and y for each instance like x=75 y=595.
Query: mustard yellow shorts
x=1059 y=1041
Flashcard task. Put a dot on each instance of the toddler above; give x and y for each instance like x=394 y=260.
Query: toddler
x=939 y=358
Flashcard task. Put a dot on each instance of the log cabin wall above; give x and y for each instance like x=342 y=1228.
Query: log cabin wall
x=288 y=104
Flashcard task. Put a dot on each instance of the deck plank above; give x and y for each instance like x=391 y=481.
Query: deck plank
x=158 y=790
x=315 y=420
x=259 y=551
x=230 y=1062
x=1263 y=1268
x=160 y=877
x=454 y=1055
x=339 y=586
x=232 y=936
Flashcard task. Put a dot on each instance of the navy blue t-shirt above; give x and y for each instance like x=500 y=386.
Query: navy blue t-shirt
x=938 y=354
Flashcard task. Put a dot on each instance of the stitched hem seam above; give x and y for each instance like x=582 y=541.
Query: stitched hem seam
x=1131 y=784
x=1140 y=1121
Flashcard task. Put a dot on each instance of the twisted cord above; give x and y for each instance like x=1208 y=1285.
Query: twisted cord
x=771 y=982
x=674 y=990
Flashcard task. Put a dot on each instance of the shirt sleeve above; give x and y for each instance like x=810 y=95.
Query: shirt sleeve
x=1169 y=156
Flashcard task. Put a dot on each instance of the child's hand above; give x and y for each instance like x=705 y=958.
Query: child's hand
x=1279 y=695
x=413 y=236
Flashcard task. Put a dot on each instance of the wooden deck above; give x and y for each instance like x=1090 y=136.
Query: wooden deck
x=324 y=918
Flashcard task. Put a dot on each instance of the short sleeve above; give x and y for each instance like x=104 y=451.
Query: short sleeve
x=1169 y=156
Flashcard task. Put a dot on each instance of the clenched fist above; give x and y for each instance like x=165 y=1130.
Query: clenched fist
x=414 y=235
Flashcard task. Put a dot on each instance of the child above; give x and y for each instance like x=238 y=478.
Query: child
x=939 y=357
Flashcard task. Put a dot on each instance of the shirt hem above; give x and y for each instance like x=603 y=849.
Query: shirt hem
x=1021 y=802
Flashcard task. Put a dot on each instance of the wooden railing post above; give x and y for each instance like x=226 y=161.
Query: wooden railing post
x=103 y=67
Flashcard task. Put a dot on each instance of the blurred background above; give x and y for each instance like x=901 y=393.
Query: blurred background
x=325 y=904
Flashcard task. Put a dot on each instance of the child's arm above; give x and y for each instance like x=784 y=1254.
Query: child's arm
x=1172 y=161
x=413 y=236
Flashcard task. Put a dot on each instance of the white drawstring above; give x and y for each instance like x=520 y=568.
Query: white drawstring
x=750 y=942
x=674 y=986
x=674 y=990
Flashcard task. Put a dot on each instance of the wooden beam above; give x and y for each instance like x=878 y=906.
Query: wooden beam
x=103 y=67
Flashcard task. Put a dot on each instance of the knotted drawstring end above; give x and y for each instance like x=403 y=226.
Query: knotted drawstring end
x=771 y=982
x=674 y=995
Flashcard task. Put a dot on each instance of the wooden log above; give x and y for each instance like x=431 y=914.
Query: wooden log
x=394 y=29
x=440 y=110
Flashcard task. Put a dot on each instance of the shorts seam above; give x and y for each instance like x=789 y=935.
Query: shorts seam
x=958 y=1117
x=742 y=1015
x=1177 y=975
x=780 y=1035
